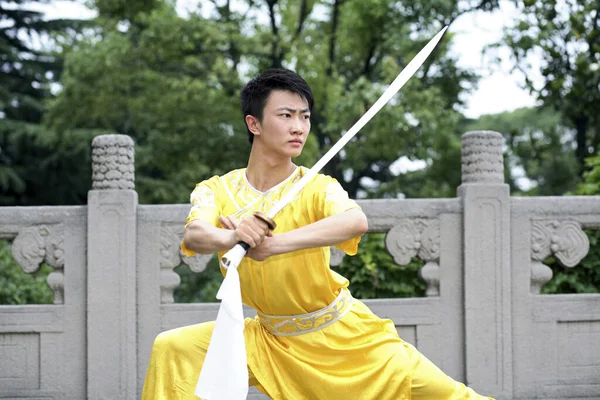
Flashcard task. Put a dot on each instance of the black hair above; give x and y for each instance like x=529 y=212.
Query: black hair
x=256 y=92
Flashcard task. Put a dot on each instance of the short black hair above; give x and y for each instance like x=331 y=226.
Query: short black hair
x=256 y=92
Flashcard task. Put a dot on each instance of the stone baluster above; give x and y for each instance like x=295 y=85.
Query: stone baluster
x=487 y=277
x=111 y=271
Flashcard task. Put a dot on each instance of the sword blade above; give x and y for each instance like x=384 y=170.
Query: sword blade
x=234 y=256
x=394 y=87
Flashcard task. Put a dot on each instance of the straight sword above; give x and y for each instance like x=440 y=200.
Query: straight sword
x=234 y=256
x=224 y=375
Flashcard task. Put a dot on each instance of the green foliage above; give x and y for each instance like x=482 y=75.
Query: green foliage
x=198 y=287
x=373 y=273
x=591 y=183
x=165 y=83
x=585 y=277
x=17 y=287
x=172 y=83
x=31 y=159
x=39 y=168
x=566 y=36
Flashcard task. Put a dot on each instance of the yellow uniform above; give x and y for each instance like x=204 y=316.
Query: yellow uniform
x=311 y=339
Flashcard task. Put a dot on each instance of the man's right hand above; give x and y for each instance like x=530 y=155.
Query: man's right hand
x=251 y=230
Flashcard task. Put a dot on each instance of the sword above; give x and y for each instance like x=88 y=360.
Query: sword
x=227 y=339
x=234 y=256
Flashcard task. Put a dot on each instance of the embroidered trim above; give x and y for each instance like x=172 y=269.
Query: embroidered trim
x=293 y=325
x=229 y=193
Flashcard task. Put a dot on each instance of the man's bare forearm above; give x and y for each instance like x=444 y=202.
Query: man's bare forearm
x=326 y=232
x=204 y=238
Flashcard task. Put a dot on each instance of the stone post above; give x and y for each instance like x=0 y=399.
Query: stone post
x=487 y=278
x=111 y=271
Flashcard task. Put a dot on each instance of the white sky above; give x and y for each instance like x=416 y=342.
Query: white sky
x=498 y=89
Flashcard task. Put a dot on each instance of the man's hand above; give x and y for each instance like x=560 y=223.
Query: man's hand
x=250 y=230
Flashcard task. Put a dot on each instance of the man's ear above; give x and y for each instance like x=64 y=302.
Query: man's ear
x=253 y=124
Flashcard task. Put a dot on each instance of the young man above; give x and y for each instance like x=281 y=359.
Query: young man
x=311 y=340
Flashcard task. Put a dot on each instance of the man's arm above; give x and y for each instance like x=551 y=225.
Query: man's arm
x=203 y=238
x=329 y=231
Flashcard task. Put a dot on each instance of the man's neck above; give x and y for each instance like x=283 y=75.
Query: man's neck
x=265 y=172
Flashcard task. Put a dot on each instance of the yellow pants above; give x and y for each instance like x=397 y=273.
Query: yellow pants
x=177 y=357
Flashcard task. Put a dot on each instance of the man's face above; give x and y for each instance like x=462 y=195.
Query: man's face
x=285 y=124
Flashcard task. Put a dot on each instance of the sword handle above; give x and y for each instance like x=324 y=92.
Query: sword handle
x=234 y=256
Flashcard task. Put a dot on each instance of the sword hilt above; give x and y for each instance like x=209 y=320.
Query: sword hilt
x=234 y=256
x=269 y=221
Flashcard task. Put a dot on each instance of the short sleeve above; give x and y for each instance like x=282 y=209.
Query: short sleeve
x=332 y=199
x=204 y=202
x=205 y=206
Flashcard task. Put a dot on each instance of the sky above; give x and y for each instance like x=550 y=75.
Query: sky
x=498 y=90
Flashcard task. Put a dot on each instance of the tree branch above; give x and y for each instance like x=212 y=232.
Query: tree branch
x=332 y=37
x=275 y=53
x=302 y=18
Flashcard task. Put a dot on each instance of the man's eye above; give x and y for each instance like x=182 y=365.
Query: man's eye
x=307 y=117
x=287 y=115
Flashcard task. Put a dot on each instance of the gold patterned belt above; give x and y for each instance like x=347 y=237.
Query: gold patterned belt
x=292 y=325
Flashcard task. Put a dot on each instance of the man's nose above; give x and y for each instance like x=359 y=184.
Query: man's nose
x=297 y=126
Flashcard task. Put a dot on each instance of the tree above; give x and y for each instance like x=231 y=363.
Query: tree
x=172 y=83
x=163 y=80
x=349 y=56
x=31 y=158
x=566 y=35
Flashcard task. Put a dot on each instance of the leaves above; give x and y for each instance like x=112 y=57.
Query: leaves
x=566 y=37
x=373 y=273
x=17 y=287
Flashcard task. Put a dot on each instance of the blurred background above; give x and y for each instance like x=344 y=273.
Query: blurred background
x=168 y=73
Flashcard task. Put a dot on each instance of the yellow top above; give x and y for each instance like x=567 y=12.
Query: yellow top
x=359 y=356
x=309 y=282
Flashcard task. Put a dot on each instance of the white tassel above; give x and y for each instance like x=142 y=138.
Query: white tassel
x=224 y=375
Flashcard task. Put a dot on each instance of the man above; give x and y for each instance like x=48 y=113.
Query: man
x=311 y=339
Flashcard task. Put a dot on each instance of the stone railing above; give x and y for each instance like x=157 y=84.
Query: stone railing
x=483 y=320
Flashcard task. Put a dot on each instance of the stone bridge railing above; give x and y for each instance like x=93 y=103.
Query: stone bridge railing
x=483 y=320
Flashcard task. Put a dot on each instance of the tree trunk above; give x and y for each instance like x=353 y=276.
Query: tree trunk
x=581 y=126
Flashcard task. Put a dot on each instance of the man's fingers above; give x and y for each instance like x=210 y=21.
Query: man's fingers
x=249 y=240
x=234 y=222
x=225 y=223
x=229 y=222
x=260 y=226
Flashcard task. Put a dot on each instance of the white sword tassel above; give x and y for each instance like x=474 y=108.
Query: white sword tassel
x=224 y=375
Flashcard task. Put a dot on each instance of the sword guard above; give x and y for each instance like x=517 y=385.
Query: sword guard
x=269 y=221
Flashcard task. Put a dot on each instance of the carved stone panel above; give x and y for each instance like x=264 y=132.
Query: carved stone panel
x=413 y=237
x=563 y=239
x=171 y=256
x=20 y=365
x=42 y=243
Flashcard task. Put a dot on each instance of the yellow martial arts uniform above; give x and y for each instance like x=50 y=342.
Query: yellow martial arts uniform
x=344 y=352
